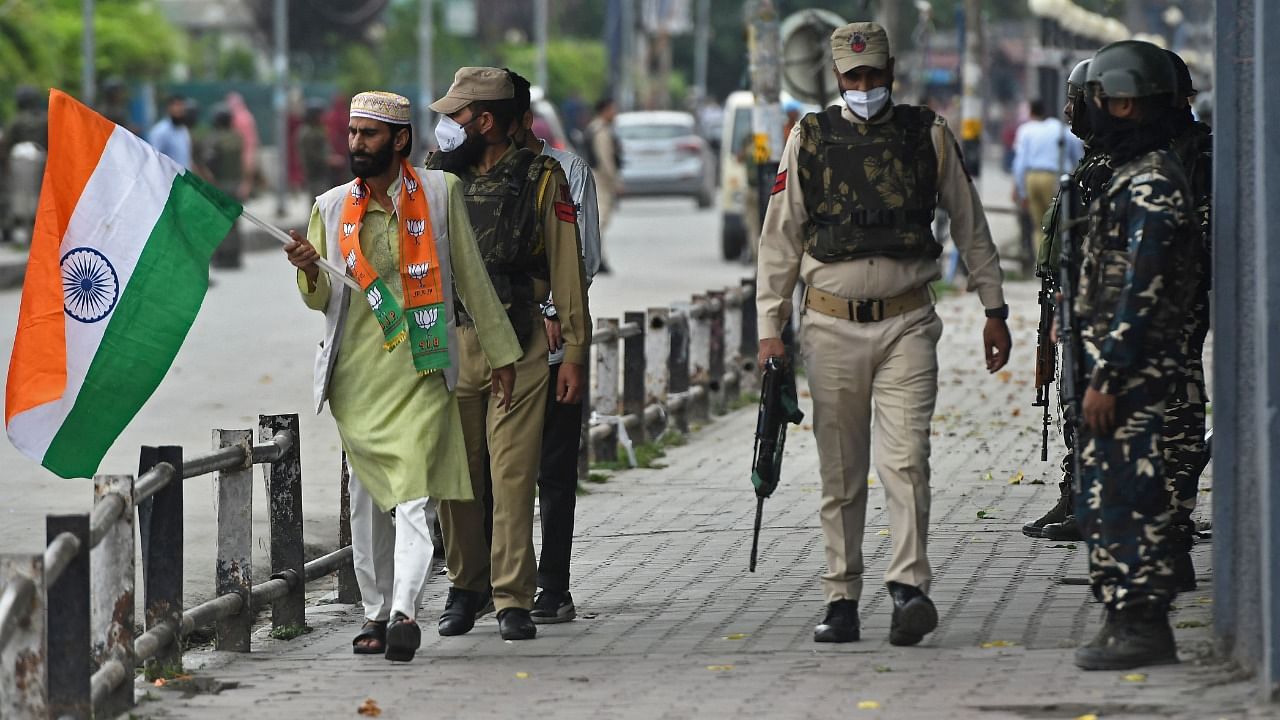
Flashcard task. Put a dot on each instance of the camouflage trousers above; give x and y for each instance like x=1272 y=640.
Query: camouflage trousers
x=1185 y=453
x=1123 y=508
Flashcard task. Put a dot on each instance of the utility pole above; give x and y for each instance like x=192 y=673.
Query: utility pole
x=281 y=102
x=764 y=45
x=426 y=67
x=540 y=33
x=971 y=83
x=626 y=94
x=701 y=50
x=88 y=78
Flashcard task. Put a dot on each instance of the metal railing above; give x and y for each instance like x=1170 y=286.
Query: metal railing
x=67 y=645
x=667 y=367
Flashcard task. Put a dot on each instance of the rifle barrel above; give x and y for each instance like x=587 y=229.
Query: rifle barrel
x=755 y=538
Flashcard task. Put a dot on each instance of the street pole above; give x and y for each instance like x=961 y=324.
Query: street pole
x=281 y=102
x=540 y=33
x=701 y=50
x=426 y=69
x=971 y=99
x=88 y=87
x=764 y=45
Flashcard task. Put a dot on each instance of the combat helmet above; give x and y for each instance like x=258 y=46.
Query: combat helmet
x=1077 y=80
x=1132 y=69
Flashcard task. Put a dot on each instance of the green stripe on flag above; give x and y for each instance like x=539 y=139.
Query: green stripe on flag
x=148 y=325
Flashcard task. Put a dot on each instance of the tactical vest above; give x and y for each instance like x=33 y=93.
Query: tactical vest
x=869 y=189
x=503 y=207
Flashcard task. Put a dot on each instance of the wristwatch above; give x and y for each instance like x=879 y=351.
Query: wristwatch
x=1000 y=313
x=549 y=311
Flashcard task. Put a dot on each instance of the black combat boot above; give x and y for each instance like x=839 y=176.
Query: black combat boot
x=914 y=615
x=1184 y=573
x=1066 y=531
x=840 y=625
x=1056 y=514
x=1137 y=637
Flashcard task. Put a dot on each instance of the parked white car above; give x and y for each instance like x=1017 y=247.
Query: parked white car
x=663 y=154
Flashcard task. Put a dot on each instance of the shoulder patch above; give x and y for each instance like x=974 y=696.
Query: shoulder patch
x=565 y=212
x=780 y=183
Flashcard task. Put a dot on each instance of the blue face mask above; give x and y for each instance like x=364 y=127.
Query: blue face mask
x=866 y=105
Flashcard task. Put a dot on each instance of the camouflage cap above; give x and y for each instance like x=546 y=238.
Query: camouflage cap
x=474 y=83
x=860 y=44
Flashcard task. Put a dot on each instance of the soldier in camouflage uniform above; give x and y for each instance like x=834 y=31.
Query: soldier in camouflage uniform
x=1138 y=254
x=1185 y=452
x=218 y=157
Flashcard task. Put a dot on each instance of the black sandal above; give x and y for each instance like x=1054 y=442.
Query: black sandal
x=375 y=630
x=403 y=638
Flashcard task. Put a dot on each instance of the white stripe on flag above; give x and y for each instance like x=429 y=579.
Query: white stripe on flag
x=115 y=215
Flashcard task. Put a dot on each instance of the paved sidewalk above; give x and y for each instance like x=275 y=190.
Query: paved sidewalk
x=671 y=624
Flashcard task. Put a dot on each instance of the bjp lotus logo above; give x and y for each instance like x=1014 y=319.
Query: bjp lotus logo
x=426 y=319
x=415 y=228
x=410 y=186
x=418 y=271
x=375 y=299
x=357 y=192
x=348 y=228
x=351 y=259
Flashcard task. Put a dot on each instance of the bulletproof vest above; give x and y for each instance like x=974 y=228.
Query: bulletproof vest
x=869 y=189
x=503 y=207
x=1108 y=260
x=1194 y=149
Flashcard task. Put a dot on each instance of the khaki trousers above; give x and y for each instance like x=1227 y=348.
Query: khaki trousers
x=1042 y=185
x=891 y=366
x=503 y=450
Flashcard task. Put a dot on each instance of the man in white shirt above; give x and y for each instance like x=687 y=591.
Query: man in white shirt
x=1043 y=149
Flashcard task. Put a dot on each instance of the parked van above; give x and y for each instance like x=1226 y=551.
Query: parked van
x=739 y=221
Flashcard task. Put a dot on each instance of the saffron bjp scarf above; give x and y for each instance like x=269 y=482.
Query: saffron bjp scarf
x=419 y=275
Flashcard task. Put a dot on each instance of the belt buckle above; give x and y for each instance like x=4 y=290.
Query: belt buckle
x=868 y=310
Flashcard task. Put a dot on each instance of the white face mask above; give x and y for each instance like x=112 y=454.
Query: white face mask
x=449 y=134
x=866 y=105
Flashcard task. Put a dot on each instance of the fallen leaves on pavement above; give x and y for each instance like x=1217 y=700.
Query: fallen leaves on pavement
x=369 y=708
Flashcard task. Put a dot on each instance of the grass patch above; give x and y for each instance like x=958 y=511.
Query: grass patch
x=746 y=399
x=597 y=477
x=164 y=671
x=647 y=455
x=289 y=632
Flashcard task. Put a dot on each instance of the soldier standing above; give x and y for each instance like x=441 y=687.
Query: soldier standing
x=314 y=150
x=219 y=157
x=526 y=226
x=851 y=214
x=1139 y=256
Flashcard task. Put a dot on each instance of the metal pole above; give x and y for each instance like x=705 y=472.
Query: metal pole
x=627 y=92
x=971 y=99
x=88 y=71
x=764 y=45
x=284 y=495
x=426 y=68
x=701 y=50
x=111 y=583
x=69 y=635
x=280 y=101
x=233 y=568
x=540 y=36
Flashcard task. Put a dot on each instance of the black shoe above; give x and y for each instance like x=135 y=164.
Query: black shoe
x=552 y=606
x=1066 y=531
x=1056 y=514
x=914 y=615
x=515 y=624
x=1184 y=573
x=461 y=610
x=840 y=625
x=1137 y=637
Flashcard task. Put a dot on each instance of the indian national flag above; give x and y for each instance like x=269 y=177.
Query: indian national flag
x=118 y=267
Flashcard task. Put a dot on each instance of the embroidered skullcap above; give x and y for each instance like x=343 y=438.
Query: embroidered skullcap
x=377 y=105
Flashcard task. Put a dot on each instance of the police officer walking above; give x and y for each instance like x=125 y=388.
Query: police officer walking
x=851 y=214
x=1139 y=258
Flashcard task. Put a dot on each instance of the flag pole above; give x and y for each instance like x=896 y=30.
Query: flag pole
x=337 y=272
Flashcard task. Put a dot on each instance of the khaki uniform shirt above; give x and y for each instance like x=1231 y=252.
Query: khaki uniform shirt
x=782 y=257
x=564 y=257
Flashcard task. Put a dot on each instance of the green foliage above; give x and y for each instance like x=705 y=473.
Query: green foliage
x=577 y=65
x=289 y=632
x=360 y=70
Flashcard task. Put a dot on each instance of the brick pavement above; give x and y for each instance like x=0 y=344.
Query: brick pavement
x=671 y=624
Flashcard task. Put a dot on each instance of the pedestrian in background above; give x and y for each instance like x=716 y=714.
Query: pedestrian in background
x=313 y=150
x=1043 y=150
x=605 y=157
x=406 y=238
x=562 y=424
x=171 y=135
x=245 y=126
x=850 y=214
x=220 y=153
x=23 y=150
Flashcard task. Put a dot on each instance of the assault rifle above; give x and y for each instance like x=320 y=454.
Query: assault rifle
x=1046 y=351
x=778 y=406
x=1068 y=328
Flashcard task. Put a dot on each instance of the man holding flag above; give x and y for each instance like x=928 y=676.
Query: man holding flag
x=388 y=364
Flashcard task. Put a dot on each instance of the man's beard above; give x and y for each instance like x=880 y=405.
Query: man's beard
x=367 y=165
x=465 y=157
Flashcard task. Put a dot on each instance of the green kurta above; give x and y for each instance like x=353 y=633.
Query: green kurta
x=401 y=431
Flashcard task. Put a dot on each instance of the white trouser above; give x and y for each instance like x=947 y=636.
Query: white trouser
x=391 y=560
